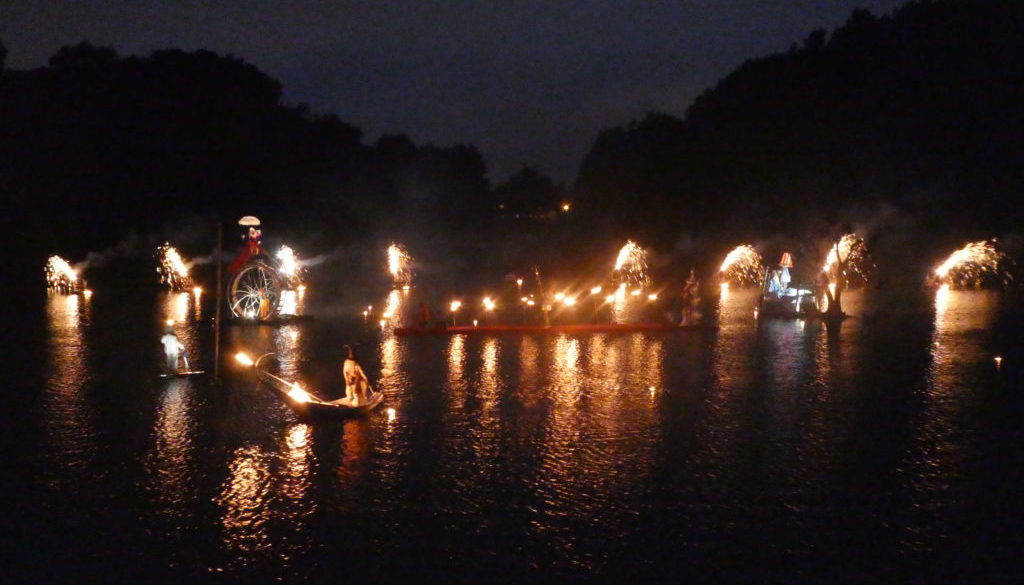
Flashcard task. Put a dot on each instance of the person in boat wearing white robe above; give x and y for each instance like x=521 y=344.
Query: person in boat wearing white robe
x=172 y=349
x=357 y=386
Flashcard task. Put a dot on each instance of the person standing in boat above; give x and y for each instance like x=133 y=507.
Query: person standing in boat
x=357 y=385
x=172 y=348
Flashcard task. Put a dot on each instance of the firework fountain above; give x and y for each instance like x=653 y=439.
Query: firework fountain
x=400 y=266
x=975 y=265
x=61 y=277
x=742 y=266
x=289 y=267
x=172 y=268
x=847 y=261
x=631 y=266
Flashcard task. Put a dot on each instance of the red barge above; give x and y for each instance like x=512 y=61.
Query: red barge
x=550 y=329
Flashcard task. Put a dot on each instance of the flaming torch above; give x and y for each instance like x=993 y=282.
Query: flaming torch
x=61 y=277
x=400 y=266
x=974 y=265
x=172 y=268
x=743 y=266
x=631 y=265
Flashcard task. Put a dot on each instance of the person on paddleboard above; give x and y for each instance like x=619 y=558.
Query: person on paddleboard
x=357 y=386
x=172 y=347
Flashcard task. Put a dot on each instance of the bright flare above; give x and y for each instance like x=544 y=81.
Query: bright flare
x=298 y=394
x=289 y=267
x=489 y=304
x=60 y=276
x=244 y=359
x=743 y=265
x=172 y=268
x=853 y=251
x=455 y=305
x=973 y=265
x=631 y=265
x=400 y=265
x=569 y=301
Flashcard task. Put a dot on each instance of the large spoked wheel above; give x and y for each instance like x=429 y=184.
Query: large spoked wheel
x=255 y=292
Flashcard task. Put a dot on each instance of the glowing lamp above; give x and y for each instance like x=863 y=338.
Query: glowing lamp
x=244 y=359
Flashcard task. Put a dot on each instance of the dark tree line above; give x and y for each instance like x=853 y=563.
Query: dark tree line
x=95 y=146
x=921 y=112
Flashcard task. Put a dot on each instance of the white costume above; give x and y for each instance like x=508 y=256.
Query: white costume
x=172 y=348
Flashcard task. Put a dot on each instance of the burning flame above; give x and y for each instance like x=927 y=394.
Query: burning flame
x=60 y=276
x=743 y=265
x=298 y=394
x=288 y=265
x=631 y=264
x=399 y=265
x=852 y=250
x=172 y=268
x=972 y=265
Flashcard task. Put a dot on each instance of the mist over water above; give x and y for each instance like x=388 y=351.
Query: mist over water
x=768 y=451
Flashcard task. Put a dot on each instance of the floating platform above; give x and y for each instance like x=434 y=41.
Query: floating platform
x=554 y=329
x=275 y=322
x=183 y=374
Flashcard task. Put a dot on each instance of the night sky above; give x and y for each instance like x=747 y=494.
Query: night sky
x=526 y=82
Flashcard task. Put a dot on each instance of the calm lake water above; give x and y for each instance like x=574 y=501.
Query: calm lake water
x=889 y=450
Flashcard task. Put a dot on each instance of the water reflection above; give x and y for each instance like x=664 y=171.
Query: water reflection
x=456 y=369
x=288 y=348
x=245 y=498
x=296 y=480
x=600 y=429
x=173 y=437
x=943 y=431
x=68 y=414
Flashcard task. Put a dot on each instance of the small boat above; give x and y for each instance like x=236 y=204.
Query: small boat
x=183 y=374
x=781 y=298
x=306 y=404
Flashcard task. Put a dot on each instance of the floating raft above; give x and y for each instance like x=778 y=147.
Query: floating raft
x=183 y=374
x=551 y=329
x=275 y=322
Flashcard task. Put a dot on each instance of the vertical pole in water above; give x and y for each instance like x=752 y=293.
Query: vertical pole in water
x=220 y=302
